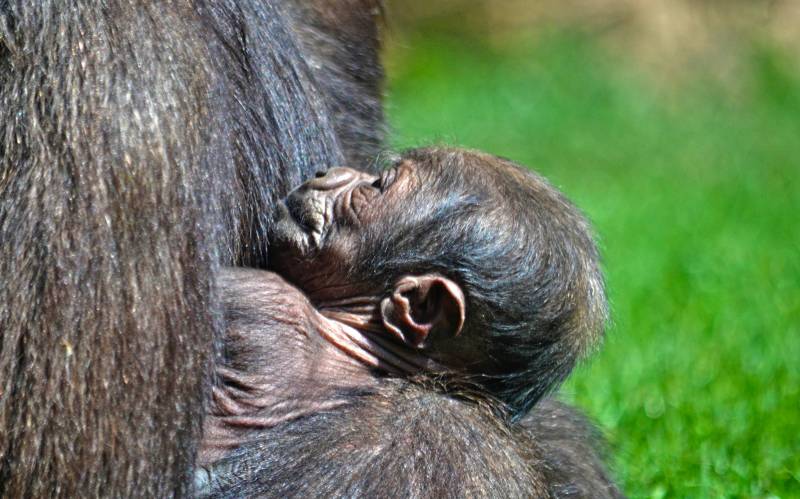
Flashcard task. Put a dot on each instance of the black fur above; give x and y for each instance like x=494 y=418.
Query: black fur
x=341 y=41
x=142 y=144
x=571 y=450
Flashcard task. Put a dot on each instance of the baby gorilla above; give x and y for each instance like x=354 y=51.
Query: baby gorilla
x=452 y=266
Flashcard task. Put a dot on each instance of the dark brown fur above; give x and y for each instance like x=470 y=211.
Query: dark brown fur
x=571 y=452
x=341 y=41
x=405 y=440
x=141 y=145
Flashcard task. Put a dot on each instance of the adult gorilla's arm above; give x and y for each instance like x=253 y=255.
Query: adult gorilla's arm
x=571 y=449
x=402 y=440
x=399 y=440
x=141 y=144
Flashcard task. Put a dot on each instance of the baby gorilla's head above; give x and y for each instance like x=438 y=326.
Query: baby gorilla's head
x=458 y=253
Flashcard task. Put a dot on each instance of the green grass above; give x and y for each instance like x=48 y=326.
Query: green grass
x=695 y=194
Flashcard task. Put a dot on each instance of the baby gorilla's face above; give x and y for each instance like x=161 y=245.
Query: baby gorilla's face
x=319 y=224
x=403 y=255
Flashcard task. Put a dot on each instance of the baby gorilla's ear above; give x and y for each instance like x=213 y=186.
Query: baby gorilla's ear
x=421 y=305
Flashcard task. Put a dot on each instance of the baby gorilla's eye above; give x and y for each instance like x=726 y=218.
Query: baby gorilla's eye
x=385 y=180
x=362 y=196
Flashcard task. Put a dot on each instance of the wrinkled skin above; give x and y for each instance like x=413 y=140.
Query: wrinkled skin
x=318 y=225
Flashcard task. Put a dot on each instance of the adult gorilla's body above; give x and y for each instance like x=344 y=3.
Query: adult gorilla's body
x=141 y=146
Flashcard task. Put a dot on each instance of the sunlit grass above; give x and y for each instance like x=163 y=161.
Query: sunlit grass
x=695 y=194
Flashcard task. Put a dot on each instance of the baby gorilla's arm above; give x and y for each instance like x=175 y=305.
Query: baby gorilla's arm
x=273 y=366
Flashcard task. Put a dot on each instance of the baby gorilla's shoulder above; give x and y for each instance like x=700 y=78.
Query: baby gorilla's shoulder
x=244 y=290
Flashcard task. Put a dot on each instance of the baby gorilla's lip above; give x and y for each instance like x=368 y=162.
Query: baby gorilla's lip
x=287 y=233
x=308 y=211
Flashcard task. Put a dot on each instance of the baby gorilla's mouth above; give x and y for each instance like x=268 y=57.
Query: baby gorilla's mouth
x=300 y=221
x=309 y=212
x=316 y=208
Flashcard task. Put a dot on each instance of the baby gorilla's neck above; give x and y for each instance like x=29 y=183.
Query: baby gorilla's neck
x=354 y=327
x=283 y=358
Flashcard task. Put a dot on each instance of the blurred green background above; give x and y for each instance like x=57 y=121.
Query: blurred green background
x=675 y=125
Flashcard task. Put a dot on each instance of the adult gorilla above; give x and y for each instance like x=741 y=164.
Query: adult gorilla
x=141 y=144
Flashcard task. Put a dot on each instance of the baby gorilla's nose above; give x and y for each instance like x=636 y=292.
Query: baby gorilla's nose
x=333 y=178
